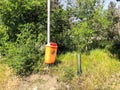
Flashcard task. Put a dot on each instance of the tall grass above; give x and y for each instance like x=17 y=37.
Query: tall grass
x=8 y=81
x=4 y=72
x=100 y=71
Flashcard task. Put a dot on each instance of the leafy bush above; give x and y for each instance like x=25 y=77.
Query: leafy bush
x=14 y=13
x=24 y=55
x=3 y=39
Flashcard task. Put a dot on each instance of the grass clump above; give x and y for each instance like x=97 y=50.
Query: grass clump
x=5 y=75
x=8 y=79
x=5 y=72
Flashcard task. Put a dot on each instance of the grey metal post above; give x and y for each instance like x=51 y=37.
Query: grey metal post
x=79 y=68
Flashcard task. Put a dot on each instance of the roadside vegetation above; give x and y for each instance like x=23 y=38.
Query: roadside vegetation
x=83 y=27
x=100 y=70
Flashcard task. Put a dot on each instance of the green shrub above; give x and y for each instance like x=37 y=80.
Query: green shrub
x=24 y=55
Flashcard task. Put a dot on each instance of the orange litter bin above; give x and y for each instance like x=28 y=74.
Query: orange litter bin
x=50 y=53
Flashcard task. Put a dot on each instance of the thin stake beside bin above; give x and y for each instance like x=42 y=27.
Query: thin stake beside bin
x=79 y=66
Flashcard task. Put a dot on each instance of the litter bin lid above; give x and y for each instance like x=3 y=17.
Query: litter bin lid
x=53 y=44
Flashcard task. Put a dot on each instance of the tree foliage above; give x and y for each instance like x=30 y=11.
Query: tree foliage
x=91 y=31
x=113 y=31
x=15 y=13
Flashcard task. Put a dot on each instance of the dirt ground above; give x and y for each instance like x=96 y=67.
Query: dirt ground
x=39 y=82
x=34 y=82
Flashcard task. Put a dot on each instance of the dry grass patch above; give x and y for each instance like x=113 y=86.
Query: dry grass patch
x=8 y=81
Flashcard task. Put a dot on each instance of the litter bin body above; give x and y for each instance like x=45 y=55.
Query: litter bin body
x=50 y=53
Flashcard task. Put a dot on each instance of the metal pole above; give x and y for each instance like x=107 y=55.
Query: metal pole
x=48 y=22
x=79 y=70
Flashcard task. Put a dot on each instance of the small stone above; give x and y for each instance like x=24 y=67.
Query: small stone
x=35 y=88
